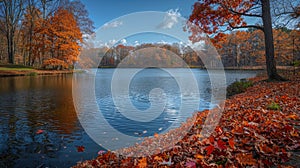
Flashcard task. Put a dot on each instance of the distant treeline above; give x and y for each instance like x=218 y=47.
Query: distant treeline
x=237 y=49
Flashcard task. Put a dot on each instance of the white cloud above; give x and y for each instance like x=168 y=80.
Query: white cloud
x=123 y=41
x=112 y=24
x=111 y=43
x=136 y=43
x=170 y=19
x=162 y=42
x=196 y=46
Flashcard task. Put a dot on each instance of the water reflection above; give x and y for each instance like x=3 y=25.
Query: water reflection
x=29 y=104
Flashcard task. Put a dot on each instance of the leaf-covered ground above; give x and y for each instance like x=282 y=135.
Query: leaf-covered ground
x=250 y=133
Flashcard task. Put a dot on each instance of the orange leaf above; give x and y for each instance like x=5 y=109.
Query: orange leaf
x=198 y=156
x=158 y=158
x=293 y=117
x=246 y=159
x=231 y=143
x=39 y=131
x=142 y=163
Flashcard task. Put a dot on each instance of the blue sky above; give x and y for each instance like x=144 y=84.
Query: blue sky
x=102 y=12
x=106 y=14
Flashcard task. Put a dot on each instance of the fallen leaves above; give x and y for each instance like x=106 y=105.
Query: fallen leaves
x=231 y=143
x=142 y=163
x=39 y=131
x=80 y=148
x=248 y=134
x=209 y=149
x=246 y=159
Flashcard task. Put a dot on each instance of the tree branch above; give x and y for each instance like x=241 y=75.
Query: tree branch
x=244 y=14
x=244 y=27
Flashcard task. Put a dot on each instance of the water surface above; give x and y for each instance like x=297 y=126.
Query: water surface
x=29 y=104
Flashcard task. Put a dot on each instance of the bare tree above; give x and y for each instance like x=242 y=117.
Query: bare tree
x=11 y=12
x=77 y=8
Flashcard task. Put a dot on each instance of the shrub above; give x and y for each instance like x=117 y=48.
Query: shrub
x=273 y=106
x=296 y=63
x=32 y=74
x=238 y=87
x=55 y=64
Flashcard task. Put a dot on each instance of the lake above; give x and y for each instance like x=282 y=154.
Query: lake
x=30 y=104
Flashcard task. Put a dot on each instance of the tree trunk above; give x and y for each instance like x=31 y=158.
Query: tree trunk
x=10 y=46
x=269 y=41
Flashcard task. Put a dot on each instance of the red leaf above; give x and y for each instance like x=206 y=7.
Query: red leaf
x=221 y=144
x=80 y=148
x=39 y=131
x=219 y=130
x=211 y=139
x=231 y=143
x=209 y=149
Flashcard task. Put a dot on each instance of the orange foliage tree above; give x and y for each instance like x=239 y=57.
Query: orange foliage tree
x=65 y=36
x=55 y=38
x=217 y=16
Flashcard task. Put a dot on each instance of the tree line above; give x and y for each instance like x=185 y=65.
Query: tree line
x=236 y=49
x=42 y=33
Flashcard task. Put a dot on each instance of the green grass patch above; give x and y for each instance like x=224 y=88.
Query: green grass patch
x=296 y=63
x=238 y=87
x=32 y=74
x=273 y=106
x=15 y=68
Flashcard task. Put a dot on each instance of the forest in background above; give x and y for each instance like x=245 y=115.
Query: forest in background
x=237 y=49
x=49 y=34
x=42 y=33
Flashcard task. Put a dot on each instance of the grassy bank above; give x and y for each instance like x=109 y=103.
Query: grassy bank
x=251 y=133
x=20 y=70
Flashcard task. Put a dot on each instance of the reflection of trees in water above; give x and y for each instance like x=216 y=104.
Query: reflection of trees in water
x=32 y=103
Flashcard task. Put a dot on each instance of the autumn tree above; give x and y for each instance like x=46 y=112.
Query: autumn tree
x=11 y=12
x=216 y=16
x=64 y=36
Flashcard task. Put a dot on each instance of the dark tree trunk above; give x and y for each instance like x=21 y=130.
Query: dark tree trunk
x=269 y=41
x=10 y=46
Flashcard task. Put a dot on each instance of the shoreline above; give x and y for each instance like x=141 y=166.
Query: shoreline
x=33 y=72
x=13 y=72
x=248 y=134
